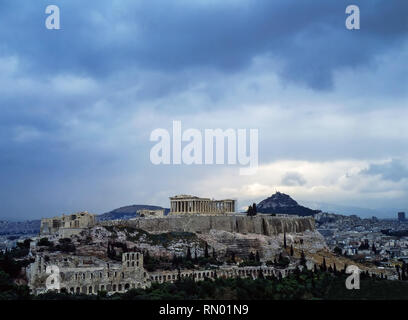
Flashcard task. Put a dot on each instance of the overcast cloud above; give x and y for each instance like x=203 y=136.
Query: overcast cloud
x=77 y=105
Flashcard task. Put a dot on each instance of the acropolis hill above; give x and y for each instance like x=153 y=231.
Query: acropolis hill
x=188 y=214
x=86 y=250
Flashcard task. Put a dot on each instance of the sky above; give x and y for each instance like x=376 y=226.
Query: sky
x=78 y=105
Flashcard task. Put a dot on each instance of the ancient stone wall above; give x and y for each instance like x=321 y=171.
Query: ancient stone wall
x=260 y=224
x=89 y=279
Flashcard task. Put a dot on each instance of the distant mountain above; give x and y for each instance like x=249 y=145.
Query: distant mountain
x=20 y=227
x=283 y=203
x=128 y=212
x=344 y=210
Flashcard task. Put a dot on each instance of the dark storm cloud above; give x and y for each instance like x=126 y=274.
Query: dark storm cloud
x=394 y=170
x=75 y=103
x=98 y=38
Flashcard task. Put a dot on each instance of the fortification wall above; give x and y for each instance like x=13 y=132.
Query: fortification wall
x=260 y=224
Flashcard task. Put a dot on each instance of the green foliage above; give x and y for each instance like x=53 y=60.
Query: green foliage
x=298 y=285
x=9 y=265
x=9 y=270
x=303 y=285
x=251 y=211
x=44 y=242
x=249 y=263
x=282 y=262
x=25 y=244
x=64 y=240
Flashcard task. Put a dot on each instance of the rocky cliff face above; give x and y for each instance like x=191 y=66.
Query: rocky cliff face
x=224 y=243
x=283 y=203
x=260 y=224
x=268 y=247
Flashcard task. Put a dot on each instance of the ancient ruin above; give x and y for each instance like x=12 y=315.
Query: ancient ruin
x=67 y=225
x=89 y=270
x=186 y=204
x=87 y=275
x=145 y=213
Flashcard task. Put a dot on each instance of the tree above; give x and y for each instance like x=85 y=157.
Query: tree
x=324 y=267
x=291 y=250
x=174 y=260
x=254 y=209
x=373 y=248
x=403 y=271
x=214 y=254
x=188 y=253
x=251 y=256
x=44 y=242
x=284 y=239
x=302 y=259
x=112 y=252
x=250 y=211
x=206 y=255
x=345 y=268
x=257 y=258
x=179 y=274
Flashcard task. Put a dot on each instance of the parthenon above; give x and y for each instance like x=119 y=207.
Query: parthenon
x=186 y=204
